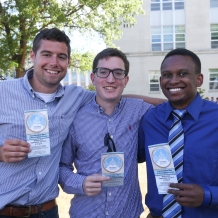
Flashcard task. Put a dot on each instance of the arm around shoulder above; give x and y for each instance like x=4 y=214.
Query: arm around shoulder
x=150 y=100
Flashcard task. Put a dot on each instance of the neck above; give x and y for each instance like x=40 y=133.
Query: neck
x=38 y=87
x=107 y=105
x=108 y=109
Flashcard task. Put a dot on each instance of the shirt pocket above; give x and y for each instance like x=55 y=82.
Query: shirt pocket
x=201 y=166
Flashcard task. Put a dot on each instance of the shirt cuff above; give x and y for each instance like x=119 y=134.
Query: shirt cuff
x=207 y=196
x=71 y=183
x=80 y=185
x=214 y=196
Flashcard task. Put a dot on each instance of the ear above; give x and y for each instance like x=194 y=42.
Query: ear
x=92 y=77
x=200 y=79
x=160 y=82
x=126 y=80
x=32 y=56
x=68 y=61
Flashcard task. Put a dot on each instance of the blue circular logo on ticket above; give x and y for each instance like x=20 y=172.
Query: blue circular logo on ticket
x=112 y=163
x=161 y=157
x=36 y=122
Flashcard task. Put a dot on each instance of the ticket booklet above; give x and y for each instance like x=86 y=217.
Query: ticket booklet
x=163 y=166
x=37 y=132
x=112 y=165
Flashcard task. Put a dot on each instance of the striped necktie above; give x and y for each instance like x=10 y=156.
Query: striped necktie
x=171 y=209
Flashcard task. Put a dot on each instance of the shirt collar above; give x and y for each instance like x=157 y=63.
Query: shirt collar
x=100 y=109
x=29 y=74
x=194 y=108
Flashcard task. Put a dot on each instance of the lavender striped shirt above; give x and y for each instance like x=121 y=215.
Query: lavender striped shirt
x=84 y=146
x=34 y=180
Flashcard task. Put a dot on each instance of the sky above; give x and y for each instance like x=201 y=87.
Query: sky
x=86 y=42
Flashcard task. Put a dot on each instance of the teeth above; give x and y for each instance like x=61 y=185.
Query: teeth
x=52 y=72
x=175 y=90
x=109 y=88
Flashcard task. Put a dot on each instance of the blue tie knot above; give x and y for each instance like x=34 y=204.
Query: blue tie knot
x=178 y=114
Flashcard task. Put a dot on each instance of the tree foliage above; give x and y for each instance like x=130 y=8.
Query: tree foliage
x=201 y=92
x=21 y=20
x=81 y=61
x=90 y=87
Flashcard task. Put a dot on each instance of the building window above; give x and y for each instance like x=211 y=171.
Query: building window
x=155 y=7
x=166 y=5
x=213 y=79
x=156 y=38
x=180 y=36
x=167 y=37
x=179 y=5
x=214 y=35
x=214 y=3
x=154 y=76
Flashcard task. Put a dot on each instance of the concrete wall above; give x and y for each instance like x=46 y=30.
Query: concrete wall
x=136 y=43
x=197 y=24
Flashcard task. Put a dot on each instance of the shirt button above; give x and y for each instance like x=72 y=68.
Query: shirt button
x=109 y=193
x=107 y=213
x=111 y=136
x=40 y=173
x=45 y=105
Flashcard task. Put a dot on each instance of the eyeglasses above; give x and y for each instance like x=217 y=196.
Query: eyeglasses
x=108 y=141
x=104 y=73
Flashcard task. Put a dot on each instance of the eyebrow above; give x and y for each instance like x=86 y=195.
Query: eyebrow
x=46 y=51
x=178 y=70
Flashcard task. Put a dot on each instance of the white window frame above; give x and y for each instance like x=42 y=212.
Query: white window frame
x=176 y=31
x=214 y=31
x=160 y=5
x=213 y=3
x=213 y=79
x=154 y=76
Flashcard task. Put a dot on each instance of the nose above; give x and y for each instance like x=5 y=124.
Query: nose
x=53 y=61
x=110 y=78
x=174 y=79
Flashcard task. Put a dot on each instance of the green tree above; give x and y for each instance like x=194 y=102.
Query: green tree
x=90 y=87
x=20 y=20
x=201 y=92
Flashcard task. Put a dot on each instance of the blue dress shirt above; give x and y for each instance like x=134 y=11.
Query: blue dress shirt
x=200 y=125
x=84 y=146
x=34 y=180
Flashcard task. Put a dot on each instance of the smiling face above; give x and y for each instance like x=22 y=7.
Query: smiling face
x=50 y=65
x=179 y=80
x=109 y=90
